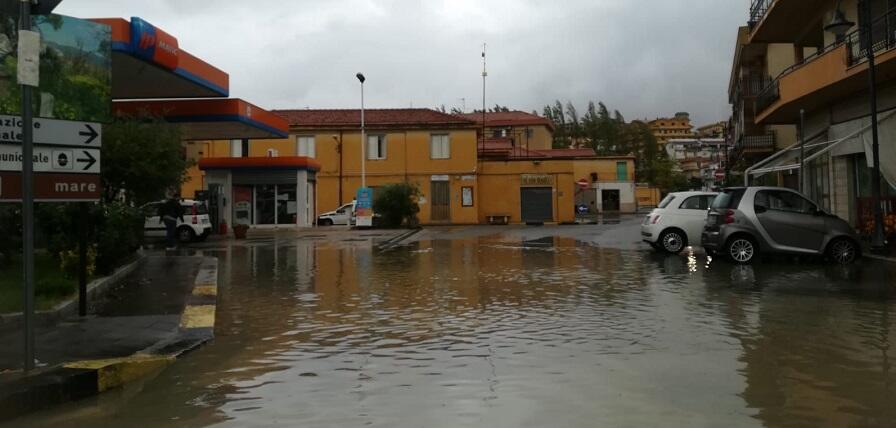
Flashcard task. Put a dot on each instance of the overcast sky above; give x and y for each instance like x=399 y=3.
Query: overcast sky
x=646 y=58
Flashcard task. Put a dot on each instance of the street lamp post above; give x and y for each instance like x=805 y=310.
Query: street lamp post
x=838 y=26
x=361 y=79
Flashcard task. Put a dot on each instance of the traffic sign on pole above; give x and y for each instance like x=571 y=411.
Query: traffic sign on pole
x=51 y=159
x=53 y=132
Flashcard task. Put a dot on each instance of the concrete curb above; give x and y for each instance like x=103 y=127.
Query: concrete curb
x=80 y=379
x=69 y=307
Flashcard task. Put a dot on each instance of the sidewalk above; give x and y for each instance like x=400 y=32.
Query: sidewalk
x=142 y=318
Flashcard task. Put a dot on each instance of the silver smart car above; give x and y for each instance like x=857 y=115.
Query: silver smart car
x=744 y=221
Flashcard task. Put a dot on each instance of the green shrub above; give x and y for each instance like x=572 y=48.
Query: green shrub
x=10 y=232
x=396 y=204
x=118 y=235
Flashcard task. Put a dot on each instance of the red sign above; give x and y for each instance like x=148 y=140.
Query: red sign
x=52 y=187
x=583 y=183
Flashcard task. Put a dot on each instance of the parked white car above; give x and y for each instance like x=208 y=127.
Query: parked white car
x=677 y=222
x=344 y=215
x=195 y=227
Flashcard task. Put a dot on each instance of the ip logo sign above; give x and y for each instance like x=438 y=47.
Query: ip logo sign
x=63 y=160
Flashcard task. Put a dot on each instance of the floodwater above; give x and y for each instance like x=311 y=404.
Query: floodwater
x=496 y=329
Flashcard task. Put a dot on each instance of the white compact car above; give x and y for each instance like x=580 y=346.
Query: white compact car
x=195 y=227
x=678 y=221
x=344 y=215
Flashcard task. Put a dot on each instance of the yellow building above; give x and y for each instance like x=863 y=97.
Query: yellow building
x=462 y=179
x=713 y=130
x=528 y=130
x=667 y=128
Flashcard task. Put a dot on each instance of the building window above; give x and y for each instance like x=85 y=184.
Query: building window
x=239 y=148
x=621 y=171
x=305 y=146
x=376 y=147
x=466 y=196
x=440 y=146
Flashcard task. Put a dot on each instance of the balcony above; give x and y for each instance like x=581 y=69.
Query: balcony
x=772 y=21
x=758 y=144
x=837 y=71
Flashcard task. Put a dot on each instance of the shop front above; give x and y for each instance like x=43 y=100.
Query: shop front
x=262 y=192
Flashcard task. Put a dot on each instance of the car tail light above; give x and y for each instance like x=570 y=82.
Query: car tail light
x=655 y=219
x=195 y=211
x=729 y=216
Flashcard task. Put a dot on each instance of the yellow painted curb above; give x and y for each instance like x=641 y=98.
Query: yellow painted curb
x=205 y=290
x=115 y=372
x=198 y=316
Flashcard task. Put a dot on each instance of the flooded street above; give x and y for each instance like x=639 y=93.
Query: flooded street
x=568 y=326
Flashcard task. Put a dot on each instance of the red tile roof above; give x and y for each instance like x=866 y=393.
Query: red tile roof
x=509 y=118
x=374 y=118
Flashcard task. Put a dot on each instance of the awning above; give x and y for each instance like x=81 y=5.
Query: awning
x=298 y=163
x=148 y=63
x=210 y=119
x=789 y=158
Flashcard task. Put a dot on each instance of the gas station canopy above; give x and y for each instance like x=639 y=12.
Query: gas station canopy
x=148 y=63
x=210 y=119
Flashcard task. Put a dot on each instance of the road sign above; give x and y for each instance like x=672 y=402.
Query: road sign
x=49 y=187
x=53 y=132
x=364 y=207
x=51 y=159
x=583 y=183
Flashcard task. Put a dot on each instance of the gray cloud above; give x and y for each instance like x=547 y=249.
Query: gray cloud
x=646 y=58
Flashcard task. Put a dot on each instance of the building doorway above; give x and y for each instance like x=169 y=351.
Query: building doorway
x=536 y=204
x=609 y=199
x=441 y=200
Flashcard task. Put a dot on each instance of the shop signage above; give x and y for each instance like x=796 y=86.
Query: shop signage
x=439 y=178
x=52 y=187
x=53 y=132
x=153 y=44
x=364 y=207
x=51 y=159
x=536 y=180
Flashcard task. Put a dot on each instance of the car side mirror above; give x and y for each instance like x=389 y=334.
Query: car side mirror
x=759 y=209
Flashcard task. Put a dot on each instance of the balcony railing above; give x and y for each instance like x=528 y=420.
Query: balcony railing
x=758 y=143
x=768 y=96
x=883 y=38
x=757 y=10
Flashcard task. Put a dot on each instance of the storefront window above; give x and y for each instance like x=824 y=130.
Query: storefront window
x=265 y=208
x=286 y=204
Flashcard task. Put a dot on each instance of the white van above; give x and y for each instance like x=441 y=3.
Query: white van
x=344 y=215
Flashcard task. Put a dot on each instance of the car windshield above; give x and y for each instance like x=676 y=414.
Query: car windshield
x=666 y=201
x=728 y=199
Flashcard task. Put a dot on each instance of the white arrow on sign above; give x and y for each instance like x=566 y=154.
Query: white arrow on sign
x=53 y=131
x=52 y=159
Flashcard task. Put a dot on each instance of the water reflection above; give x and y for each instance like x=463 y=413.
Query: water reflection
x=506 y=331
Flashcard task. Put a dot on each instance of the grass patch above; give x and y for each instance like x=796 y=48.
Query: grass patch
x=51 y=284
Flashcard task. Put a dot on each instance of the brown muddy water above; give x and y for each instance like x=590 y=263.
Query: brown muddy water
x=504 y=330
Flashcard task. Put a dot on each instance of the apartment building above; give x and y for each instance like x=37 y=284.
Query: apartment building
x=826 y=77
x=678 y=126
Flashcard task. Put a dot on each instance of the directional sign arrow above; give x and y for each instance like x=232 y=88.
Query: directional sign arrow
x=90 y=133
x=90 y=160
x=53 y=132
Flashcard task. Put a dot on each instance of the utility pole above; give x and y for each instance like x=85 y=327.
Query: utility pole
x=878 y=239
x=484 y=74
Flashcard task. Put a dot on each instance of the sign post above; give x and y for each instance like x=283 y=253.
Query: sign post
x=27 y=198
x=364 y=207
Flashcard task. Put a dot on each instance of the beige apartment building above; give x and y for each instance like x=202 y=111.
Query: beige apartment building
x=787 y=62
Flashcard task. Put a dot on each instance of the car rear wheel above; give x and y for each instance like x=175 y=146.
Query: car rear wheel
x=741 y=249
x=843 y=251
x=185 y=234
x=672 y=241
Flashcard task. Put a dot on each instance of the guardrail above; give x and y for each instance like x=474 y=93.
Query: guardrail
x=757 y=10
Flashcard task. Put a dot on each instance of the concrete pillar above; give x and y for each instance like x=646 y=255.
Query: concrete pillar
x=302 y=199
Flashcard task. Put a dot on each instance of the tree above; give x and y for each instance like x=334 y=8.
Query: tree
x=455 y=110
x=397 y=204
x=142 y=159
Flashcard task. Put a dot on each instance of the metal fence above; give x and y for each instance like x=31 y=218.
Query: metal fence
x=758 y=9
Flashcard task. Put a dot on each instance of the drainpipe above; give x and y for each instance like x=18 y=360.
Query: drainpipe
x=339 y=149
